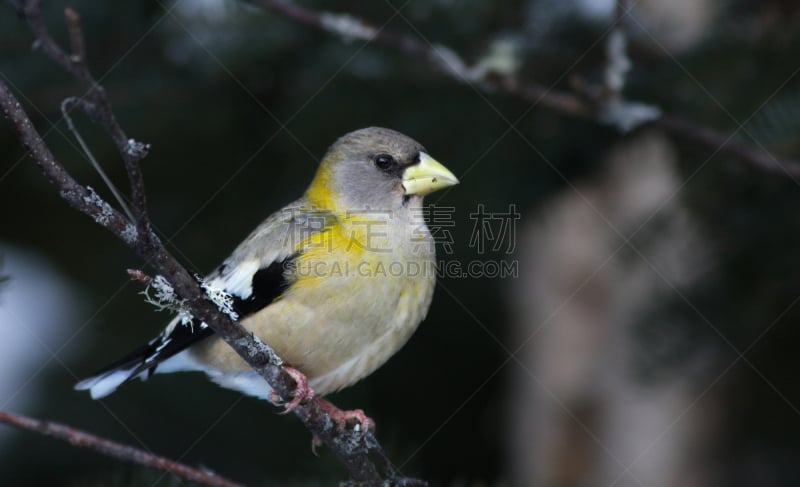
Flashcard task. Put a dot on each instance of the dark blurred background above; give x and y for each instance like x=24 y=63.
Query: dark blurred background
x=646 y=337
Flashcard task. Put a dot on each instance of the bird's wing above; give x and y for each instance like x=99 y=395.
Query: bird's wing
x=254 y=276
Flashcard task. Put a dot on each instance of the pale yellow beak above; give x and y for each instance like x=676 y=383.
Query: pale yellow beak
x=427 y=176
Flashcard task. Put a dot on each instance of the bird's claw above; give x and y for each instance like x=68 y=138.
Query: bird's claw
x=366 y=423
x=343 y=417
x=316 y=442
x=361 y=421
x=302 y=392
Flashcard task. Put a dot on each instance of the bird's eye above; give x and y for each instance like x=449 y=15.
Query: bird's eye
x=384 y=161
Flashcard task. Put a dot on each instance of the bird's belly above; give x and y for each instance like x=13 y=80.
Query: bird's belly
x=341 y=324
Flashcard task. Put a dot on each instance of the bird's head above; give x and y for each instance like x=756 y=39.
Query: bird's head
x=376 y=168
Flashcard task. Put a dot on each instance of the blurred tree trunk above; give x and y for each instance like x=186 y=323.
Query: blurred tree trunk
x=594 y=404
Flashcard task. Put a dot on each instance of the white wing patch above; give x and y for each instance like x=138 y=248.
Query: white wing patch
x=239 y=280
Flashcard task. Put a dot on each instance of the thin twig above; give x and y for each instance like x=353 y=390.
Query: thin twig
x=707 y=137
x=116 y=450
x=66 y=107
x=76 y=42
x=575 y=104
x=81 y=198
x=140 y=276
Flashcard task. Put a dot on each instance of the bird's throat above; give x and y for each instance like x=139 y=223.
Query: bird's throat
x=320 y=193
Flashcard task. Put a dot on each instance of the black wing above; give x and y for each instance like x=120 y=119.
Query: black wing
x=268 y=283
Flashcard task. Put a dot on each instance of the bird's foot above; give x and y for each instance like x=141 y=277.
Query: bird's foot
x=316 y=442
x=302 y=392
x=361 y=421
x=343 y=417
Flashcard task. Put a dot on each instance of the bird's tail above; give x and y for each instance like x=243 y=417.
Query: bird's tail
x=143 y=361
x=133 y=365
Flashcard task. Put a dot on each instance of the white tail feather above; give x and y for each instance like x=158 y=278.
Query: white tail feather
x=104 y=384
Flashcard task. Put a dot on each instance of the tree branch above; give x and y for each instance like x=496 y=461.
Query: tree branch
x=126 y=453
x=350 y=445
x=588 y=102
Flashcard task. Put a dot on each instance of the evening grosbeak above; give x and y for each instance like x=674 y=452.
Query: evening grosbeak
x=335 y=282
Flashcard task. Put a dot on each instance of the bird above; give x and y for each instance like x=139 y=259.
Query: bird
x=336 y=282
